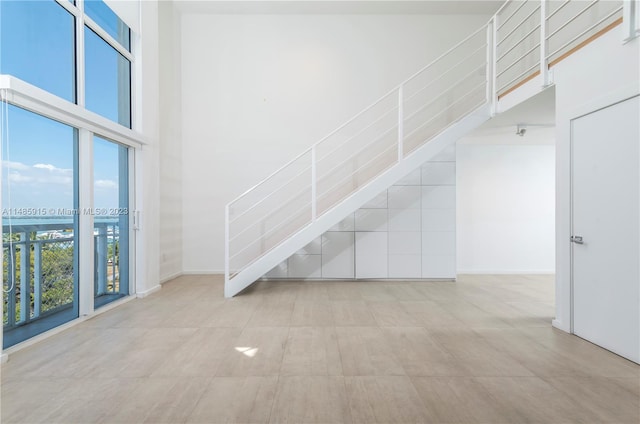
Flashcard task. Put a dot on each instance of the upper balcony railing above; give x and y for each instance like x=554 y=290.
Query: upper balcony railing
x=532 y=35
x=518 y=44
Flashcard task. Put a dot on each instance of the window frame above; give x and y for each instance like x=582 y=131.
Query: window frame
x=19 y=93
x=82 y=20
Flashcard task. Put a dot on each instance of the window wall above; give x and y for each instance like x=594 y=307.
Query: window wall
x=66 y=195
x=39 y=228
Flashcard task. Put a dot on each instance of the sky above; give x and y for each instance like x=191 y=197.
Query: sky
x=37 y=46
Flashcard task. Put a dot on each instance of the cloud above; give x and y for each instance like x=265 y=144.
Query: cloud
x=14 y=165
x=52 y=168
x=40 y=173
x=106 y=184
x=16 y=177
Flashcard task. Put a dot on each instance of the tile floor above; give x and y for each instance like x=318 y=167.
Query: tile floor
x=481 y=350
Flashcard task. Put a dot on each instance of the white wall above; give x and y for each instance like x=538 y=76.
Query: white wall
x=506 y=208
x=147 y=159
x=603 y=73
x=259 y=89
x=170 y=143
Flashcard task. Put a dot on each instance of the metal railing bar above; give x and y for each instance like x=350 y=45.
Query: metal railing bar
x=512 y=15
x=281 y=206
x=573 y=18
x=552 y=14
x=534 y=29
x=396 y=88
x=444 y=110
x=255 y=204
x=364 y=166
x=303 y=192
x=519 y=25
x=617 y=10
x=271 y=230
x=439 y=96
x=482 y=28
x=519 y=76
x=460 y=116
x=444 y=73
x=38 y=241
x=239 y=270
x=332 y=133
x=362 y=148
x=58 y=240
x=528 y=52
x=504 y=5
x=357 y=134
x=310 y=148
x=273 y=174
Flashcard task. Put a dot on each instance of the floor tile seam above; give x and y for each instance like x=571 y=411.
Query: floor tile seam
x=201 y=394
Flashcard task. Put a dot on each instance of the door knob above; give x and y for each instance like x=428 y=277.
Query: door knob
x=577 y=239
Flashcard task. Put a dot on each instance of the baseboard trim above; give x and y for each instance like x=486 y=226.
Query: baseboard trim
x=4 y=358
x=146 y=293
x=559 y=325
x=506 y=272
x=170 y=277
x=203 y=272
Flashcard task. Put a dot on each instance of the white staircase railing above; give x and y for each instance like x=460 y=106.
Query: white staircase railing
x=518 y=44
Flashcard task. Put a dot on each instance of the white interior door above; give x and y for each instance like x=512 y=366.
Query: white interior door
x=606 y=201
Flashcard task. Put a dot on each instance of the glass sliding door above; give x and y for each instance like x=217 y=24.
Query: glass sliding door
x=39 y=225
x=111 y=221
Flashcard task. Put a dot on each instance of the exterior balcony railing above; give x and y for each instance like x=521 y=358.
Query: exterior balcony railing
x=40 y=268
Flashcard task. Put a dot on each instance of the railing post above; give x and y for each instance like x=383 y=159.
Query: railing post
x=494 y=66
x=25 y=276
x=101 y=248
x=11 y=282
x=630 y=18
x=544 y=68
x=37 y=279
x=314 y=181
x=226 y=243
x=489 y=68
x=114 y=259
x=400 y=122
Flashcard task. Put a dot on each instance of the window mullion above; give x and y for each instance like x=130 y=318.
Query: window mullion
x=69 y=7
x=80 y=68
x=108 y=38
x=86 y=222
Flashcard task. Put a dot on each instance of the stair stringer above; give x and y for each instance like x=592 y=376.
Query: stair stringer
x=305 y=235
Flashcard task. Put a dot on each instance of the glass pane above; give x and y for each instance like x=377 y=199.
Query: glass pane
x=37 y=45
x=109 y=21
x=39 y=225
x=108 y=80
x=111 y=226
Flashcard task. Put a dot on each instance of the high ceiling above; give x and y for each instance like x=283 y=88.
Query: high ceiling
x=435 y=7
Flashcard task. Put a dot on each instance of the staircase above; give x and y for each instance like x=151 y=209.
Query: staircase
x=432 y=109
